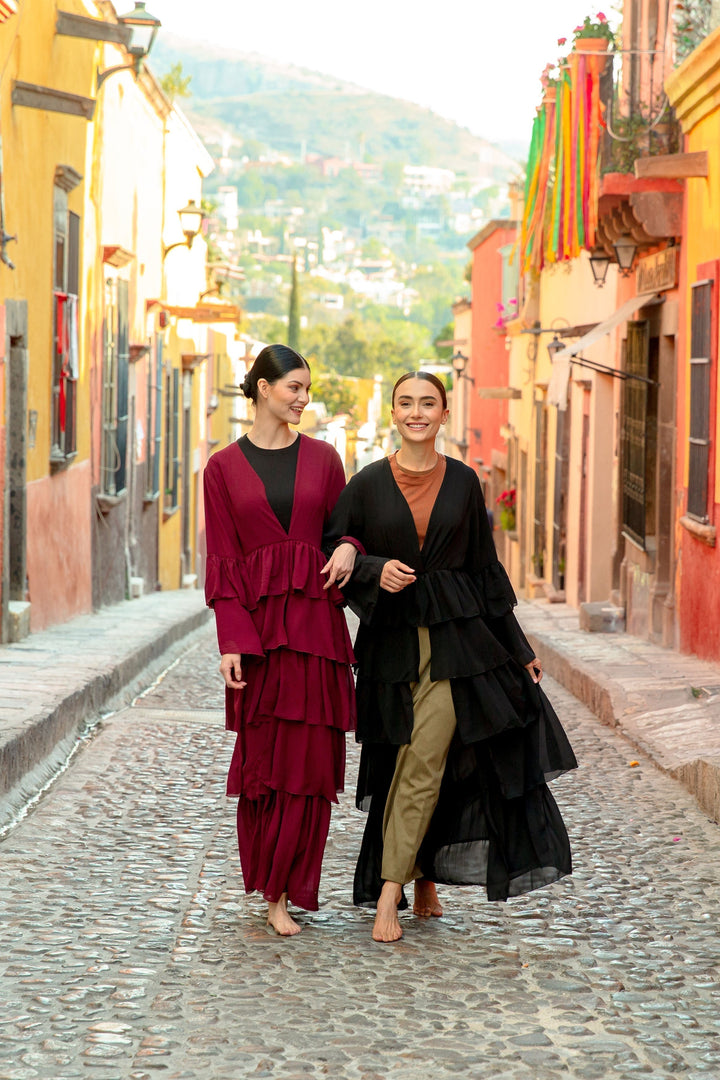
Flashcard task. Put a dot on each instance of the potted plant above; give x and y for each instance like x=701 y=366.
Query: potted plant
x=593 y=34
x=506 y=502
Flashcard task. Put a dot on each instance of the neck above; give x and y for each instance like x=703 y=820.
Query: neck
x=418 y=457
x=269 y=433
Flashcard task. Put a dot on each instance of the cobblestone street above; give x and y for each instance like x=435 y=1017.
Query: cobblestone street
x=130 y=951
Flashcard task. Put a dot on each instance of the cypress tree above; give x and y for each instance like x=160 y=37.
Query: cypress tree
x=294 y=312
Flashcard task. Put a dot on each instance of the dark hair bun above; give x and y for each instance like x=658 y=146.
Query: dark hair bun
x=246 y=386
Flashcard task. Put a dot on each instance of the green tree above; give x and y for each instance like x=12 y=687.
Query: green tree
x=294 y=311
x=447 y=333
x=175 y=84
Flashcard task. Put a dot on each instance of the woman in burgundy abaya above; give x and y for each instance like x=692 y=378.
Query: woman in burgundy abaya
x=285 y=649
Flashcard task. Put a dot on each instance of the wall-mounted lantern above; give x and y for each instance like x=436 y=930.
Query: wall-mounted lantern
x=625 y=248
x=143 y=29
x=191 y=217
x=599 y=263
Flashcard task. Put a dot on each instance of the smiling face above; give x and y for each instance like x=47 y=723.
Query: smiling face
x=418 y=411
x=286 y=397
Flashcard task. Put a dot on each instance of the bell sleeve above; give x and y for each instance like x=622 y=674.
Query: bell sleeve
x=224 y=583
x=335 y=486
x=347 y=523
x=498 y=592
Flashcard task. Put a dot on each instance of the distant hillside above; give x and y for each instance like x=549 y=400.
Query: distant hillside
x=295 y=111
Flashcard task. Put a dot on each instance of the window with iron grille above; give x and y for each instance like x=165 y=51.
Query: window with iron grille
x=116 y=368
x=560 y=490
x=154 y=420
x=66 y=360
x=172 y=440
x=539 y=537
x=636 y=415
x=700 y=367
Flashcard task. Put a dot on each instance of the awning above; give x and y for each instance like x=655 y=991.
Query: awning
x=7 y=8
x=560 y=378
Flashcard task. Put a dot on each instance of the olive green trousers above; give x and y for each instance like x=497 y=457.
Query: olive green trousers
x=418 y=772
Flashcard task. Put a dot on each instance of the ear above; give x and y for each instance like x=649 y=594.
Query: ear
x=263 y=387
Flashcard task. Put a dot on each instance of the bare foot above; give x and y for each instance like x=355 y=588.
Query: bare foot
x=387 y=925
x=426 y=899
x=280 y=920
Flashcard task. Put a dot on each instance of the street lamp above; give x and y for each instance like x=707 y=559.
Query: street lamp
x=599 y=263
x=625 y=248
x=191 y=217
x=554 y=347
x=143 y=29
x=459 y=362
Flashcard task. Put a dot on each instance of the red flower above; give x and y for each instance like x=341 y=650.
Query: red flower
x=601 y=18
x=562 y=40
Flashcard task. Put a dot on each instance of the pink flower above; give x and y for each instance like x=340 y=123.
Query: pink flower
x=601 y=18
x=577 y=29
x=499 y=306
x=562 y=40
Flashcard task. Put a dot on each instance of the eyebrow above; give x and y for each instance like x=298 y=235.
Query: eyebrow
x=423 y=397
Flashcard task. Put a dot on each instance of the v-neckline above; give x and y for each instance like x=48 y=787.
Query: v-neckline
x=420 y=550
x=288 y=531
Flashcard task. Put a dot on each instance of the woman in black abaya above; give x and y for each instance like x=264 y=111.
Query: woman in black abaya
x=458 y=739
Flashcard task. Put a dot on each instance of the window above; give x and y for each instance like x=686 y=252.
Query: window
x=639 y=431
x=116 y=364
x=700 y=368
x=538 y=556
x=510 y=278
x=172 y=440
x=154 y=421
x=65 y=360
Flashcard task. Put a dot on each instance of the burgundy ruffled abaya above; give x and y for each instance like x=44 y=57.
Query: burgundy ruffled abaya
x=267 y=592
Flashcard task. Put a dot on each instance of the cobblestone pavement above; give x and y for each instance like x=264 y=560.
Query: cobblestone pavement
x=130 y=952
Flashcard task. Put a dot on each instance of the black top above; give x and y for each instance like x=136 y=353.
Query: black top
x=276 y=469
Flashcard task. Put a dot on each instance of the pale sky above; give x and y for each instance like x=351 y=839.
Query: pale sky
x=477 y=62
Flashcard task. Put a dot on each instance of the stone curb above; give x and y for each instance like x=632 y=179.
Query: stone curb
x=606 y=697
x=35 y=745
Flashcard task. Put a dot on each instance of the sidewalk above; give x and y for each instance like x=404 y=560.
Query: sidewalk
x=54 y=681
x=664 y=702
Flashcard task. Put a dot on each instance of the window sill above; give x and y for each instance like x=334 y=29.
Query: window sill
x=59 y=460
x=109 y=502
x=150 y=498
x=169 y=512
x=706 y=534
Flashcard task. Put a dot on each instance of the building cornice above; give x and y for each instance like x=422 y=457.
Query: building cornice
x=694 y=88
x=489 y=229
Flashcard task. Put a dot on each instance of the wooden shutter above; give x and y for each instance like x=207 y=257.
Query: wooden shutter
x=700 y=364
x=634 y=430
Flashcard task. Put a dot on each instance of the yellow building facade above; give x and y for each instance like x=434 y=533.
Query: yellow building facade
x=108 y=337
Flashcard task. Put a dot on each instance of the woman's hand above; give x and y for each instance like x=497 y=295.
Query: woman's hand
x=340 y=565
x=396 y=576
x=231 y=670
x=535 y=669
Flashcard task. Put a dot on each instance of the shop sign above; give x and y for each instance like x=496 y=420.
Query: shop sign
x=657 y=272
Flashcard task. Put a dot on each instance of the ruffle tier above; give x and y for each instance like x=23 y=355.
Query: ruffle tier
x=281 y=839
x=504 y=720
x=274 y=599
x=275 y=756
x=477 y=835
x=287 y=566
x=295 y=687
